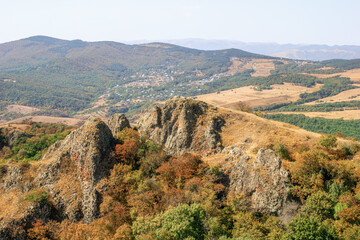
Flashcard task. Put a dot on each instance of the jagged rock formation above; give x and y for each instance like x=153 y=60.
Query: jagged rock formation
x=263 y=181
x=184 y=125
x=70 y=172
x=83 y=159
x=73 y=172
x=118 y=122
x=13 y=136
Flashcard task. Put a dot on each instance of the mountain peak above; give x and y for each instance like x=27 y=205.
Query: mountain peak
x=44 y=39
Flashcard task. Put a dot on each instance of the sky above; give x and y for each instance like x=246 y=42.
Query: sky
x=332 y=22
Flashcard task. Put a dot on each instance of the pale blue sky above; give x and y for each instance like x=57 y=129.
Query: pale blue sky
x=283 y=21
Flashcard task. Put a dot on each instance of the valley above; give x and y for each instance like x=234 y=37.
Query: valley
x=102 y=145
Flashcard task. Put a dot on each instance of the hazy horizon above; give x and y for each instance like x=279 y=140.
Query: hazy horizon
x=284 y=22
x=143 y=41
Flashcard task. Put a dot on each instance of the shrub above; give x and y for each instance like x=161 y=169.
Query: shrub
x=350 y=149
x=350 y=214
x=36 y=196
x=327 y=141
x=215 y=170
x=128 y=134
x=126 y=153
x=151 y=162
x=242 y=106
x=336 y=189
x=338 y=208
x=182 y=222
x=352 y=233
x=179 y=168
x=281 y=150
x=308 y=227
x=320 y=205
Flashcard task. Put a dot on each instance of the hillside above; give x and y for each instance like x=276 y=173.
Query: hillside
x=70 y=76
x=190 y=171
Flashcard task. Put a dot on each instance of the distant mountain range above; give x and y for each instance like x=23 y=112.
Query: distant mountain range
x=313 y=52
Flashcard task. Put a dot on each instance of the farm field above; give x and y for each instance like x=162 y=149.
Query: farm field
x=349 y=95
x=46 y=119
x=346 y=114
x=353 y=74
x=280 y=93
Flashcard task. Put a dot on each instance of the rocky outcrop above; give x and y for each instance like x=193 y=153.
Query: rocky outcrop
x=43 y=211
x=118 y=122
x=75 y=165
x=13 y=136
x=13 y=177
x=69 y=175
x=184 y=125
x=263 y=181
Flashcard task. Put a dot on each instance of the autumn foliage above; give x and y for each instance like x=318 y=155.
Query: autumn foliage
x=150 y=195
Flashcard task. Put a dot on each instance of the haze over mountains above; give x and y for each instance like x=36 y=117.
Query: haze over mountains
x=314 y=52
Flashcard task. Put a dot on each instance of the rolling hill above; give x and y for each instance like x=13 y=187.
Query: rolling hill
x=66 y=75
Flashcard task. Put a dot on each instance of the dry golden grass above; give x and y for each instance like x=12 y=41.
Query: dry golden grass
x=16 y=126
x=12 y=205
x=21 y=109
x=47 y=119
x=250 y=133
x=349 y=95
x=279 y=94
x=346 y=114
x=353 y=74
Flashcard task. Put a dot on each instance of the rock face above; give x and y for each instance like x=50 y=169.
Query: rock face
x=118 y=122
x=184 y=125
x=42 y=210
x=14 y=136
x=75 y=166
x=263 y=181
x=70 y=174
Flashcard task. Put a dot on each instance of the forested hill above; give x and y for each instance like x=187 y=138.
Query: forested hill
x=108 y=55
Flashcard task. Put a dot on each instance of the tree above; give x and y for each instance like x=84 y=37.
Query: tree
x=308 y=227
x=126 y=153
x=179 y=168
x=321 y=205
x=182 y=222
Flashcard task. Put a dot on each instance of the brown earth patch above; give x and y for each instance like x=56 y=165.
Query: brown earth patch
x=21 y=109
x=262 y=67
